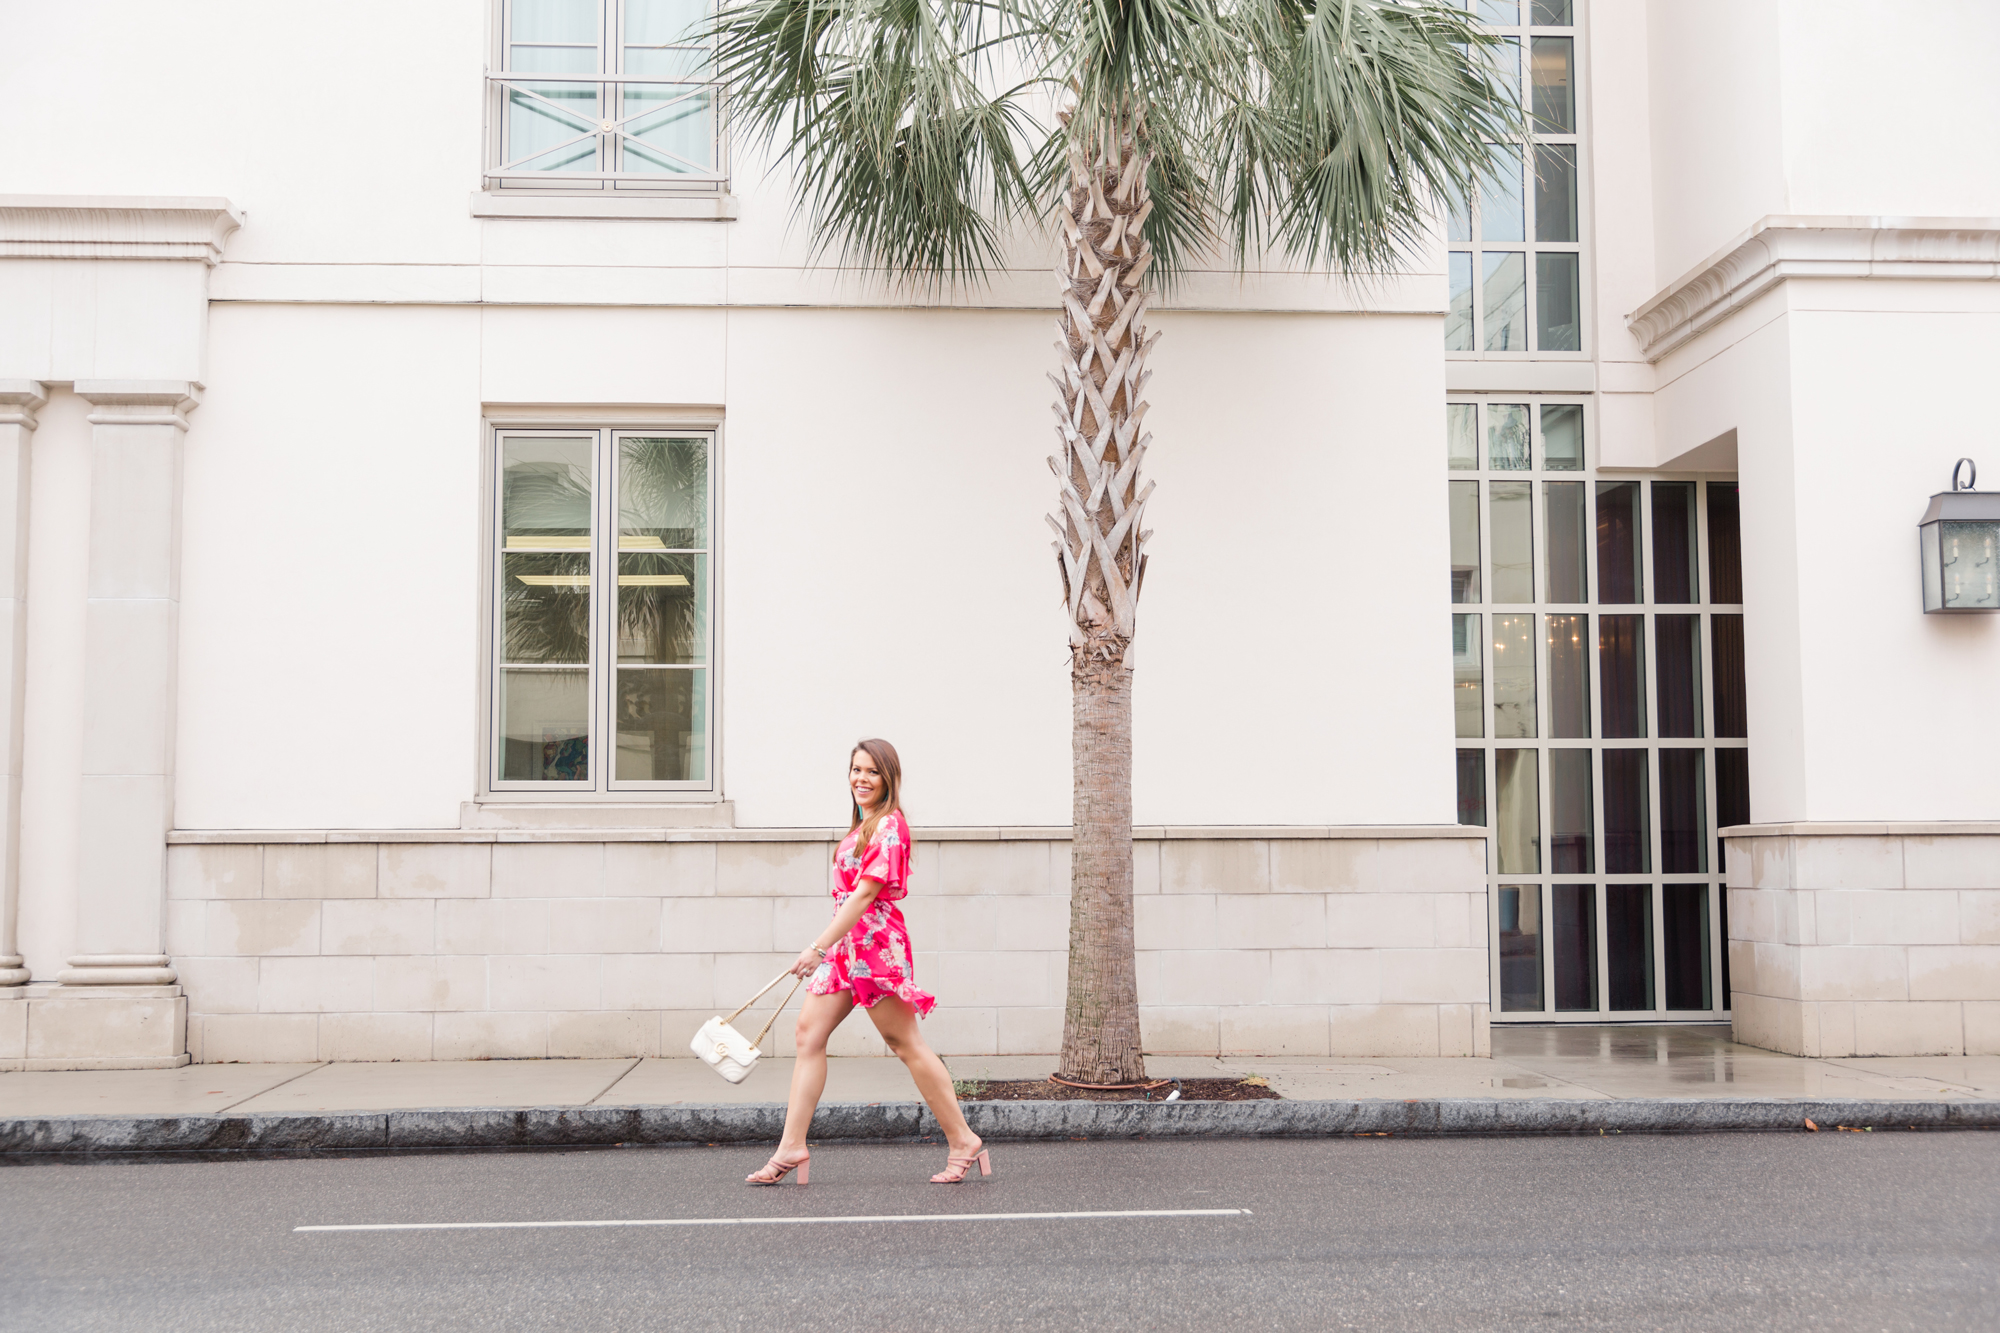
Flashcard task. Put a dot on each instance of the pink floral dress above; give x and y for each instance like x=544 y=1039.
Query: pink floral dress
x=874 y=959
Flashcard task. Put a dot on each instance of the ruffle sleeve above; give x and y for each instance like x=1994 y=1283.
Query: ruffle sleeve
x=887 y=860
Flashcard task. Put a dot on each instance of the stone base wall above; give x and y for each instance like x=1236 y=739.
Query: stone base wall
x=1866 y=939
x=546 y=943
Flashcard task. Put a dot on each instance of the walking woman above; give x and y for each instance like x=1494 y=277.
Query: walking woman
x=864 y=958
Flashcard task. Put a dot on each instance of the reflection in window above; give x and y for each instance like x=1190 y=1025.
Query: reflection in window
x=1514 y=677
x=1521 y=948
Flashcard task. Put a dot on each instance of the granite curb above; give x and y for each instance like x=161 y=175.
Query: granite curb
x=604 y=1126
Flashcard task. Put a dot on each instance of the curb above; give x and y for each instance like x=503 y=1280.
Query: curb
x=595 y=1126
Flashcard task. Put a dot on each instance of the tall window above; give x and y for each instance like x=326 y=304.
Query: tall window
x=603 y=95
x=603 y=583
x=1597 y=647
x=1515 y=262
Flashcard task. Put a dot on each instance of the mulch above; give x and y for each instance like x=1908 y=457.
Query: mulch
x=1042 y=1090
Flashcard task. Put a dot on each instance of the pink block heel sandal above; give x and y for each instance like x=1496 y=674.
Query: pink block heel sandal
x=955 y=1168
x=803 y=1166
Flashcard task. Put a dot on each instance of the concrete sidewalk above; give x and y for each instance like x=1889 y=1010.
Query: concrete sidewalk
x=1542 y=1079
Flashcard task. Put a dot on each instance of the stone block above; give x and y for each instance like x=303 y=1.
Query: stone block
x=1885 y=916
x=1174 y=920
x=738 y=976
x=492 y=926
x=262 y=929
x=315 y=985
x=1032 y=1031
x=721 y=925
x=1220 y=866
x=1743 y=966
x=1383 y=1029
x=1854 y=972
x=378 y=925
x=215 y=870
x=994 y=979
x=217 y=985
x=1204 y=977
x=1325 y=976
x=490 y=1036
x=992 y=868
x=1145 y=867
x=1847 y=862
x=1434 y=976
x=773 y=869
x=1457 y=1031
x=1736 y=863
x=1776 y=968
x=604 y=925
x=259 y=1038
x=436 y=870
x=1982 y=1027
x=1955 y=972
x=13 y=1032
x=1380 y=921
x=1368 y=865
x=1269 y=1029
x=545 y=982
x=1771 y=864
x=428 y=985
x=1035 y=924
x=320 y=870
x=665 y=981
x=548 y=870
x=1909 y=1029
x=1952 y=861
x=186 y=927
x=962 y=1030
x=1178 y=1029
x=1279 y=920
x=375 y=1037
x=1770 y=1023
x=1979 y=916
x=939 y=923
x=856 y=1037
x=604 y=1036
x=1460 y=920
x=1833 y=1022
x=659 y=869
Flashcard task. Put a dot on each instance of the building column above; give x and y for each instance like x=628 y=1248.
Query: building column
x=117 y=1005
x=18 y=401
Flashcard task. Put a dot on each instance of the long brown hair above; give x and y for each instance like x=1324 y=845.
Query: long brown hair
x=890 y=766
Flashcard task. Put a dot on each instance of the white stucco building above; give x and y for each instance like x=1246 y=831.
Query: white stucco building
x=343 y=361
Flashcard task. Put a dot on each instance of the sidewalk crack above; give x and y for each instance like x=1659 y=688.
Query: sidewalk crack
x=275 y=1086
x=605 y=1091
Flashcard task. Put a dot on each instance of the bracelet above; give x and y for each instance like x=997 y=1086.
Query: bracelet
x=816 y=949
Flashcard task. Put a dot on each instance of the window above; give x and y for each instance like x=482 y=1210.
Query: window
x=1598 y=689
x=603 y=95
x=1515 y=262
x=602 y=683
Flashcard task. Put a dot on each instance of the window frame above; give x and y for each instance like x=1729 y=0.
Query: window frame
x=1486 y=609
x=610 y=80
x=1583 y=248
x=602 y=784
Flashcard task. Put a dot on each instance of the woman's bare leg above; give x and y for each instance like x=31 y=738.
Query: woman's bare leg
x=897 y=1022
x=818 y=1017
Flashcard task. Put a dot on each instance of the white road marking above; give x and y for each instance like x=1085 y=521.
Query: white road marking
x=784 y=1221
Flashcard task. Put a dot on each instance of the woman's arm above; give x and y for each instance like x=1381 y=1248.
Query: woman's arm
x=843 y=921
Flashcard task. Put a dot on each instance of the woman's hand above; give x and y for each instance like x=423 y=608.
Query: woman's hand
x=808 y=961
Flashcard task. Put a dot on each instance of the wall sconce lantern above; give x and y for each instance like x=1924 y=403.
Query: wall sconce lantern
x=1960 y=534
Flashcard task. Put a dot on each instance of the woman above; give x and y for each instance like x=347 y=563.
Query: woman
x=863 y=958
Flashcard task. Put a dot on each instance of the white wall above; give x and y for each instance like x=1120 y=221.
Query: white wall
x=885 y=568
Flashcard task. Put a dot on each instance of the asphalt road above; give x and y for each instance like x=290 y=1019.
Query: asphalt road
x=1827 y=1231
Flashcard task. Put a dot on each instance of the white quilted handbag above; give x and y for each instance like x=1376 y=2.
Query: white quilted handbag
x=727 y=1051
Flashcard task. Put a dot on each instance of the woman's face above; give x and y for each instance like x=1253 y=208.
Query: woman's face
x=865 y=780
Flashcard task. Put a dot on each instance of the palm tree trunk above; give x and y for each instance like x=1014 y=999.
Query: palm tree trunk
x=1100 y=550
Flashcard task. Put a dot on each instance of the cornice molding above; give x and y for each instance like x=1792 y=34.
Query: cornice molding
x=139 y=402
x=18 y=401
x=52 y=226
x=1795 y=246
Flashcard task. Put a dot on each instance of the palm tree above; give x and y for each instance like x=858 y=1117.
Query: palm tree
x=919 y=139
